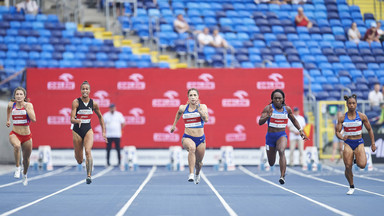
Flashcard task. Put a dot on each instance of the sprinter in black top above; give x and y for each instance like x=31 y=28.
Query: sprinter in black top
x=82 y=110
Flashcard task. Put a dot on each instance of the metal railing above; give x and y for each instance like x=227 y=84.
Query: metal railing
x=108 y=18
x=377 y=6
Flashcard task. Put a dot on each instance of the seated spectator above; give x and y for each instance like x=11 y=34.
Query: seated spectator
x=271 y=1
x=218 y=40
x=298 y=1
x=301 y=19
x=371 y=34
x=380 y=31
x=354 y=33
x=180 y=25
x=204 y=38
x=375 y=97
x=28 y=6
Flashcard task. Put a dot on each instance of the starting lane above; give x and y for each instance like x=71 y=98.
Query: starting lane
x=169 y=193
x=109 y=190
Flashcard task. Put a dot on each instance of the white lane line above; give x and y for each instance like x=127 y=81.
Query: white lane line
x=225 y=204
x=39 y=176
x=378 y=170
x=355 y=175
x=330 y=182
x=55 y=193
x=126 y=205
x=291 y=191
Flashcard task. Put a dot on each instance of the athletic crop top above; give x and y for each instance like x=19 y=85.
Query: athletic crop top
x=278 y=119
x=192 y=119
x=84 y=112
x=20 y=116
x=352 y=127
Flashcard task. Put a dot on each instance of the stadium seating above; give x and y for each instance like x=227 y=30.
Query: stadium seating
x=258 y=33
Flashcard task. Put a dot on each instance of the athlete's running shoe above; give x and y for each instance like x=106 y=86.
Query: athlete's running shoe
x=350 y=191
x=17 y=172
x=25 y=180
x=282 y=180
x=197 y=179
x=191 y=177
x=88 y=180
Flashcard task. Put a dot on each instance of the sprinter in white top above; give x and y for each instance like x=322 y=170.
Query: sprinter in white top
x=194 y=115
x=353 y=122
x=276 y=114
x=22 y=113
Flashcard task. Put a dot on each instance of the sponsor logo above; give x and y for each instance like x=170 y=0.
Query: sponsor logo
x=135 y=84
x=274 y=83
x=167 y=136
x=135 y=118
x=63 y=119
x=65 y=84
x=169 y=101
x=236 y=137
x=379 y=148
x=211 y=118
x=240 y=101
x=206 y=84
x=101 y=98
x=98 y=134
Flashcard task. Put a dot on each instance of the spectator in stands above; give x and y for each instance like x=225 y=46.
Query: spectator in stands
x=380 y=31
x=120 y=9
x=295 y=138
x=301 y=19
x=375 y=97
x=372 y=34
x=354 y=33
x=204 y=38
x=218 y=40
x=180 y=25
x=28 y=6
x=298 y=1
x=272 y=1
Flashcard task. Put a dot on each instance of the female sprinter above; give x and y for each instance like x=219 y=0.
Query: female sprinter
x=276 y=114
x=194 y=115
x=20 y=136
x=82 y=110
x=353 y=122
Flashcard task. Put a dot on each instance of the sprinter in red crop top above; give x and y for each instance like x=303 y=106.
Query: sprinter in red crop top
x=82 y=110
x=20 y=137
x=194 y=115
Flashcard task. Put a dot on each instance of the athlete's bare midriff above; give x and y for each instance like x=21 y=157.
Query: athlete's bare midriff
x=195 y=132
x=22 y=130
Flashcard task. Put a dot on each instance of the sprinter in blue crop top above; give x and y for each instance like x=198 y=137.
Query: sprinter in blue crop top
x=194 y=115
x=276 y=114
x=352 y=123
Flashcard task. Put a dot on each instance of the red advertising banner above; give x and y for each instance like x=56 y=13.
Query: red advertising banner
x=149 y=100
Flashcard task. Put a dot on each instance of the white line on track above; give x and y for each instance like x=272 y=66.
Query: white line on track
x=355 y=175
x=126 y=205
x=103 y=172
x=330 y=182
x=378 y=170
x=339 y=212
x=39 y=176
x=225 y=204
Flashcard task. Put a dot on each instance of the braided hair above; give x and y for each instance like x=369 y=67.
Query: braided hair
x=279 y=91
